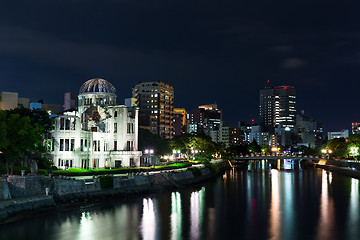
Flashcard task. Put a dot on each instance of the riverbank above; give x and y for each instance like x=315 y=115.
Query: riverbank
x=28 y=193
x=350 y=169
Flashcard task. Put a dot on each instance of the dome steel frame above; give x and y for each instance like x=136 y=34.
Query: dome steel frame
x=97 y=85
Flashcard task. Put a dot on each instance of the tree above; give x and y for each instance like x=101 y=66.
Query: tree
x=254 y=147
x=18 y=135
x=147 y=140
x=185 y=143
x=338 y=146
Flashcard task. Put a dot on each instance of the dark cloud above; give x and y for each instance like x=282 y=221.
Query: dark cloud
x=293 y=63
x=209 y=50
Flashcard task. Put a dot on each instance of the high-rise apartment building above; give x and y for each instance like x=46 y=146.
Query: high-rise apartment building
x=180 y=121
x=156 y=103
x=277 y=108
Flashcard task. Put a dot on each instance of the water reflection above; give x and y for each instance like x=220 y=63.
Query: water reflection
x=326 y=225
x=273 y=199
x=176 y=216
x=148 y=221
x=196 y=213
x=85 y=231
x=353 y=222
x=275 y=217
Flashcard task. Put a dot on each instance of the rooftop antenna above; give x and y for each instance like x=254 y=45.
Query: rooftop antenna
x=267 y=85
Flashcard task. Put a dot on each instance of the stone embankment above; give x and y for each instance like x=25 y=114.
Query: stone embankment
x=22 y=193
x=344 y=167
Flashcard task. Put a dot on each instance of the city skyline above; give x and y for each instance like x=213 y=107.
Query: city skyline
x=209 y=52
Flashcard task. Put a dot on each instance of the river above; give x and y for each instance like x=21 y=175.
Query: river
x=274 y=199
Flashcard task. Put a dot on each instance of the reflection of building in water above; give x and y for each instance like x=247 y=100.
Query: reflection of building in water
x=148 y=221
x=197 y=213
x=176 y=216
x=275 y=214
x=353 y=223
x=326 y=225
x=98 y=134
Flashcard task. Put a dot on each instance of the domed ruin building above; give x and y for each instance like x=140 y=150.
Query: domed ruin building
x=99 y=134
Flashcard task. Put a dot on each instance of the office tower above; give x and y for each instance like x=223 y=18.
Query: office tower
x=277 y=108
x=309 y=131
x=156 y=103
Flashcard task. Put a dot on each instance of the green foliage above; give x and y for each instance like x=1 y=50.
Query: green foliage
x=338 y=146
x=195 y=170
x=214 y=168
x=106 y=182
x=16 y=170
x=21 y=131
x=187 y=142
x=43 y=171
x=254 y=147
x=44 y=163
x=147 y=140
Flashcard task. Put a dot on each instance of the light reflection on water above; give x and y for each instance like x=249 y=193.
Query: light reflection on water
x=176 y=216
x=275 y=217
x=273 y=199
x=148 y=221
x=196 y=213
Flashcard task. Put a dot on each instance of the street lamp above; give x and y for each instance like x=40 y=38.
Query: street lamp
x=274 y=150
x=148 y=158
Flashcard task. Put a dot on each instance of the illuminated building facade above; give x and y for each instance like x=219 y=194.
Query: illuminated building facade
x=207 y=117
x=355 y=128
x=156 y=103
x=99 y=134
x=180 y=121
x=231 y=136
x=277 y=108
x=344 y=133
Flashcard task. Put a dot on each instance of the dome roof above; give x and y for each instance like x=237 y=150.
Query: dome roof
x=97 y=85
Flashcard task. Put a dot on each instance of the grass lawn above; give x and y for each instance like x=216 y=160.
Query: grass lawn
x=90 y=172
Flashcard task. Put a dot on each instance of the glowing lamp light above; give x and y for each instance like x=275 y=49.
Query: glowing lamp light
x=330 y=151
x=151 y=151
x=274 y=149
x=323 y=151
x=146 y=151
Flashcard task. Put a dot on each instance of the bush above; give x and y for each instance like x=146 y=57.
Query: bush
x=214 y=168
x=43 y=171
x=106 y=182
x=195 y=170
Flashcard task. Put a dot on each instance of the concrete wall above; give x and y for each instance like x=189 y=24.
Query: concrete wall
x=4 y=189
x=26 y=186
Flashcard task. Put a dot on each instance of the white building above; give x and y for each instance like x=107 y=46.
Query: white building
x=99 y=134
x=344 y=133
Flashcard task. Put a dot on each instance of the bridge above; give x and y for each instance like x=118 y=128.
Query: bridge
x=248 y=158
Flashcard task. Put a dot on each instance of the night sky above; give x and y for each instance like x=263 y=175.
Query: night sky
x=210 y=51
